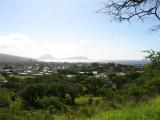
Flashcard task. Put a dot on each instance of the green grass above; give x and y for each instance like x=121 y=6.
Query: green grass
x=21 y=76
x=85 y=100
x=145 y=111
x=150 y=111
x=2 y=78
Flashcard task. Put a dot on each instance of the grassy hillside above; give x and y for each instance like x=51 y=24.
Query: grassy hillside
x=150 y=111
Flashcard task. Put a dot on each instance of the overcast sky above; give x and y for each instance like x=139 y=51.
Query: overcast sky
x=66 y=28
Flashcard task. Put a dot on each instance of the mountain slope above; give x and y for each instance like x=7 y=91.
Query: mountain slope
x=12 y=58
x=46 y=58
x=49 y=58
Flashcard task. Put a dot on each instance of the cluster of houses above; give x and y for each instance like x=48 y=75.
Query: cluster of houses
x=117 y=69
x=93 y=73
x=27 y=69
x=54 y=68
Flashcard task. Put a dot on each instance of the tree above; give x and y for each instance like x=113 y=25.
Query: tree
x=119 y=81
x=73 y=91
x=127 y=10
x=31 y=93
x=154 y=58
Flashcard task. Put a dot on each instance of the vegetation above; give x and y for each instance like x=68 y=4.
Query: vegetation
x=148 y=111
x=131 y=95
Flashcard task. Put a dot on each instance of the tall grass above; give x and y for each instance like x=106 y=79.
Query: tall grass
x=150 y=111
x=146 y=111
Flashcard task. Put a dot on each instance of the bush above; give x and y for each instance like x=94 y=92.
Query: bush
x=31 y=93
x=4 y=98
x=87 y=111
x=4 y=102
x=83 y=101
x=52 y=103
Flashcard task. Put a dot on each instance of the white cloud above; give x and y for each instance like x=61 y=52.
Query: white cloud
x=84 y=41
x=13 y=40
x=22 y=45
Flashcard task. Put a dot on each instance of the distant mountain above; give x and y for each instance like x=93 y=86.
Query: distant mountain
x=77 y=58
x=46 y=58
x=13 y=58
x=49 y=58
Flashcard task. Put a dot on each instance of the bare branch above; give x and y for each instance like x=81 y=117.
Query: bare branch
x=126 y=10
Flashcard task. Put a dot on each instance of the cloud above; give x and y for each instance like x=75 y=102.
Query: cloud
x=22 y=45
x=84 y=41
x=14 y=40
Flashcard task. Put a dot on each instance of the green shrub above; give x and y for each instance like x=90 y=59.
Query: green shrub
x=87 y=111
x=4 y=102
x=4 y=98
x=52 y=103
x=83 y=101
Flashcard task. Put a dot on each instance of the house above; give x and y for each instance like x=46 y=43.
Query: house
x=95 y=72
x=70 y=76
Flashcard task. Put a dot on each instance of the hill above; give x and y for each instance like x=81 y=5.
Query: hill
x=46 y=58
x=13 y=58
x=49 y=58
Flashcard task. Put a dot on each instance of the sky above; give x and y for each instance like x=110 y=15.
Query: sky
x=67 y=28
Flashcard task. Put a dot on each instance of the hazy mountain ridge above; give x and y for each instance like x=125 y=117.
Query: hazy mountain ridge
x=13 y=58
x=50 y=58
x=46 y=57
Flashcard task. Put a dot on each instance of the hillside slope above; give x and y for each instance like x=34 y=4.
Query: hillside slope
x=12 y=58
x=150 y=111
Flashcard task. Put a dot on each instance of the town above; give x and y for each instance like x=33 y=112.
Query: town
x=98 y=70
